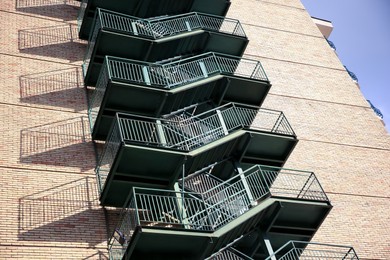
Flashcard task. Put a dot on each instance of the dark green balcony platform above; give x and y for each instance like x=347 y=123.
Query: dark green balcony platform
x=195 y=226
x=146 y=9
x=149 y=152
x=160 y=38
x=154 y=89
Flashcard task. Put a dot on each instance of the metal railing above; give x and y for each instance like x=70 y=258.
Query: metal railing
x=184 y=71
x=183 y=132
x=351 y=74
x=296 y=250
x=160 y=27
x=258 y=181
x=331 y=44
x=211 y=210
x=188 y=133
x=376 y=110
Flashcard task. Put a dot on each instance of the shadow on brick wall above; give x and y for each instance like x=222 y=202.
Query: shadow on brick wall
x=65 y=143
x=62 y=9
x=66 y=213
x=61 y=88
x=98 y=256
x=55 y=41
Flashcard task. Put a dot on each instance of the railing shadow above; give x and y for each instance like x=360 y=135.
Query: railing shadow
x=64 y=213
x=98 y=256
x=65 y=143
x=63 y=88
x=54 y=41
x=62 y=9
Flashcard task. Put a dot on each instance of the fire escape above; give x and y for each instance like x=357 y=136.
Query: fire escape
x=190 y=154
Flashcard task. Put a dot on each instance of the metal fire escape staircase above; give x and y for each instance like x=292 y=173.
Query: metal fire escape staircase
x=187 y=140
x=159 y=38
x=146 y=9
x=218 y=211
x=148 y=152
x=124 y=84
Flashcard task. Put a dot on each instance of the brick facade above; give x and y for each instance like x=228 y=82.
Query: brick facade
x=50 y=207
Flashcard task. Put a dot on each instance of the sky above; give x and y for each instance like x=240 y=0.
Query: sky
x=361 y=33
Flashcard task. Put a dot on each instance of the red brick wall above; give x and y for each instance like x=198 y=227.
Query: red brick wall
x=341 y=139
x=48 y=196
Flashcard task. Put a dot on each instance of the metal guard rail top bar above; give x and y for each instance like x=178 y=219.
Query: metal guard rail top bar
x=310 y=250
x=205 y=127
x=184 y=71
x=159 y=27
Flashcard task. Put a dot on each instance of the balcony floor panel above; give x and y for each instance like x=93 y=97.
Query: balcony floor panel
x=268 y=147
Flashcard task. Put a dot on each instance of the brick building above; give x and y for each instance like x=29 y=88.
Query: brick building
x=49 y=195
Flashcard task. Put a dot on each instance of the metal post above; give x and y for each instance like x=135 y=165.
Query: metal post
x=269 y=247
x=245 y=183
x=220 y=117
x=160 y=133
x=145 y=72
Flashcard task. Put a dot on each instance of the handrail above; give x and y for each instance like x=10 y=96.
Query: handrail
x=211 y=210
x=185 y=71
x=295 y=250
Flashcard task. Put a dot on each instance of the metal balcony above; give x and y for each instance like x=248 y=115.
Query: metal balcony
x=376 y=110
x=159 y=38
x=297 y=250
x=180 y=224
x=142 y=151
x=146 y=8
x=352 y=75
x=124 y=86
x=331 y=44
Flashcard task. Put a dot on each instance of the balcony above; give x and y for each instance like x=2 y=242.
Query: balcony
x=124 y=85
x=180 y=224
x=145 y=9
x=376 y=110
x=159 y=38
x=150 y=152
x=296 y=250
x=352 y=75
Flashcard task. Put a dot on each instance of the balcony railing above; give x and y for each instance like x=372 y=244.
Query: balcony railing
x=209 y=211
x=156 y=28
x=331 y=44
x=296 y=250
x=376 y=110
x=351 y=74
x=173 y=74
x=184 y=71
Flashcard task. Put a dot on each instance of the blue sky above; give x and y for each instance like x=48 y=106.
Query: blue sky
x=361 y=34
